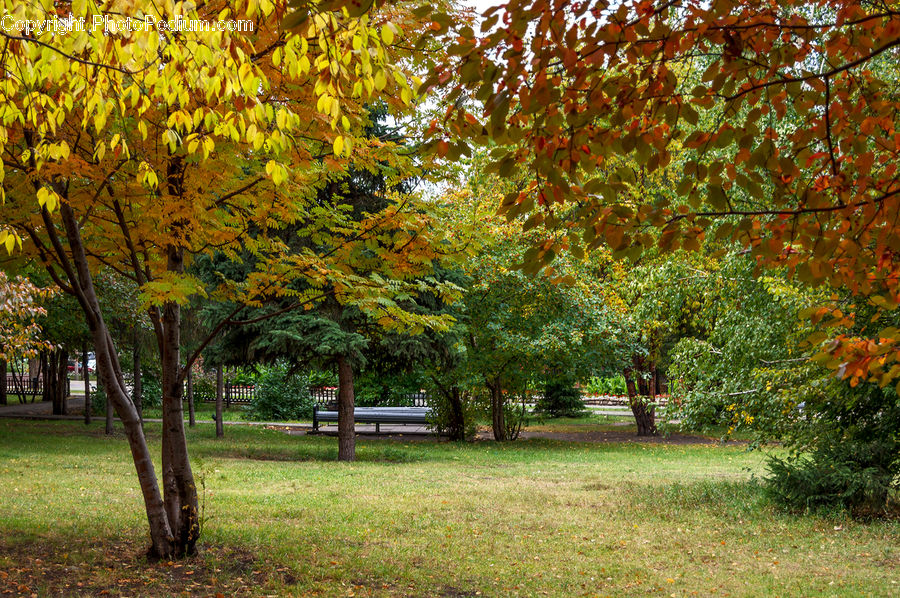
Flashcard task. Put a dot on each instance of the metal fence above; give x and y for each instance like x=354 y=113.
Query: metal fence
x=243 y=394
x=28 y=386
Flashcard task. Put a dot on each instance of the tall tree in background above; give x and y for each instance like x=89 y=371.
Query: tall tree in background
x=518 y=331
x=386 y=241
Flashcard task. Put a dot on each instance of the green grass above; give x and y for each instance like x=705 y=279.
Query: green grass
x=204 y=411
x=426 y=518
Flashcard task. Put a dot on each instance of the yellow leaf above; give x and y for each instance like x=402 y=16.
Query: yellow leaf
x=387 y=35
x=338 y=145
x=380 y=80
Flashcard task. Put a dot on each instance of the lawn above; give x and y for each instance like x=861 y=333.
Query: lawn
x=205 y=411
x=425 y=518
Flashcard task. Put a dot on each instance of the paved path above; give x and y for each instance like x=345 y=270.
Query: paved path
x=38 y=408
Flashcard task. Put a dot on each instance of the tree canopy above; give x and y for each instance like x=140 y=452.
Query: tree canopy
x=780 y=120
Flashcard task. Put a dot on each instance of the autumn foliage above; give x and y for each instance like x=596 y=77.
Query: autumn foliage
x=138 y=150
x=775 y=123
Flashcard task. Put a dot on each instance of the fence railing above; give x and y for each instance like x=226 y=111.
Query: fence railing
x=26 y=385
x=243 y=394
x=618 y=400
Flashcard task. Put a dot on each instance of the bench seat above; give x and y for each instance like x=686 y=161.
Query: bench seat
x=377 y=416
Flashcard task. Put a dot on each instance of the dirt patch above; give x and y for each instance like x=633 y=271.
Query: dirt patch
x=50 y=568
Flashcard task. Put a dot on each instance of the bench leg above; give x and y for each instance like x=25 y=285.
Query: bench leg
x=377 y=428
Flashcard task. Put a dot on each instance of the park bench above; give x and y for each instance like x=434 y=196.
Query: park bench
x=376 y=415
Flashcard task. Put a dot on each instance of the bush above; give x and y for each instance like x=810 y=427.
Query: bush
x=613 y=385
x=442 y=421
x=98 y=400
x=319 y=378
x=204 y=390
x=393 y=389
x=851 y=458
x=151 y=391
x=859 y=477
x=561 y=399
x=281 y=396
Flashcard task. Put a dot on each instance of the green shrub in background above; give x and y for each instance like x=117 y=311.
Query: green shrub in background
x=612 y=385
x=151 y=390
x=858 y=476
x=281 y=395
x=151 y=393
x=98 y=400
x=441 y=419
x=244 y=376
x=204 y=388
x=561 y=399
x=391 y=389
x=319 y=378
x=846 y=453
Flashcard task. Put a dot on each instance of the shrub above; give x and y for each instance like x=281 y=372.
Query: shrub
x=850 y=457
x=281 y=395
x=98 y=400
x=860 y=477
x=318 y=377
x=441 y=419
x=151 y=391
x=204 y=389
x=613 y=385
x=394 y=389
x=561 y=399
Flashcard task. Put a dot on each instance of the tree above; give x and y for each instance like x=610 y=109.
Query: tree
x=519 y=331
x=747 y=368
x=384 y=239
x=20 y=312
x=788 y=113
x=140 y=150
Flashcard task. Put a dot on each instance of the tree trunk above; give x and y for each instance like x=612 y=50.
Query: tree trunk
x=110 y=373
x=61 y=402
x=192 y=417
x=86 y=376
x=498 y=417
x=220 y=387
x=179 y=490
x=346 y=425
x=457 y=424
x=53 y=381
x=137 y=389
x=2 y=382
x=640 y=392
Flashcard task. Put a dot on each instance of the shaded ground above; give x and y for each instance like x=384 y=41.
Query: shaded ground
x=45 y=568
